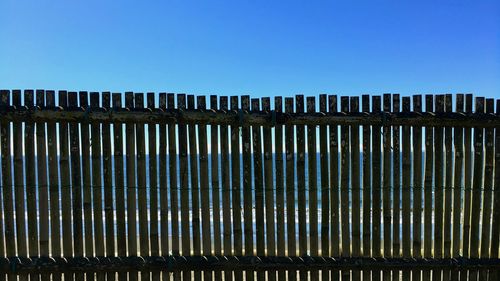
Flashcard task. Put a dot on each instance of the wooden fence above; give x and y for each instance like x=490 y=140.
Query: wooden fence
x=158 y=186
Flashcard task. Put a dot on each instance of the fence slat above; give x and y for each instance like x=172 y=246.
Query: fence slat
x=258 y=184
x=247 y=182
x=377 y=186
x=121 y=240
x=406 y=191
x=280 y=193
x=458 y=142
x=355 y=189
x=312 y=185
x=396 y=185
x=236 y=187
x=367 y=186
x=164 y=178
x=448 y=186
x=324 y=187
x=417 y=187
x=269 y=187
x=495 y=225
x=173 y=183
x=290 y=186
x=216 y=186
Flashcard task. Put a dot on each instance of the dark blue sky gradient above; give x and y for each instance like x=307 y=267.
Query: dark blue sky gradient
x=262 y=48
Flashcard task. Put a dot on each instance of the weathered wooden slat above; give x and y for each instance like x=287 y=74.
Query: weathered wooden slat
x=43 y=196
x=195 y=186
x=396 y=185
x=406 y=191
x=121 y=234
x=184 y=184
x=97 y=180
x=290 y=187
x=247 y=182
x=19 y=186
x=448 y=183
x=477 y=186
x=280 y=193
x=173 y=182
x=236 y=182
x=29 y=152
x=164 y=179
x=367 y=186
x=417 y=187
x=87 y=183
x=152 y=168
x=215 y=186
x=355 y=189
x=458 y=142
x=324 y=187
x=344 y=183
x=438 y=187
x=495 y=225
x=387 y=184
x=301 y=180
x=5 y=139
x=204 y=188
x=226 y=188
x=377 y=186
x=467 y=187
x=269 y=187
x=258 y=185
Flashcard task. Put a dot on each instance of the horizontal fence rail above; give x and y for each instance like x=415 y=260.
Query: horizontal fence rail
x=113 y=186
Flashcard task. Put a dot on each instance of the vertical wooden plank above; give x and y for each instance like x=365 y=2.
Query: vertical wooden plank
x=195 y=188
x=458 y=138
x=64 y=165
x=19 y=186
x=387 y=183
x=76 y=183
x=121 y=236
x=448 y=183
x=467 y=180
x=226 y=187
x=247 y=183
x=164 y=177
x=406 y=190
x=438 y=187
x=236 y=182
x=141 y=183
x=345 y=187
x=184 y=184
x=216 y=185
x=417 y=187
x=355 y=188
x=173 y=183
x=487 y=190
x=477 y=185
x=87 y=188
x=259 y=184
x=152 y=157
x=108 y=182
x=377 y=186
x=87 y=185
x=7 y=180
x=55 y=224
x=312 y=180
x=97 y=185
x=204 y=187
x=325 y=190
x=269 y=188
x=29 y=150
x=290 y=186
x=301 y=184
x=55 y=213
x=428 y=176
x=280 y=195
x=367 y=186
x=467 y=187
x=131 y=184
x=269 y=185
x=334 y=183
x=41 y=152
x=396 y=185
x=495 y=225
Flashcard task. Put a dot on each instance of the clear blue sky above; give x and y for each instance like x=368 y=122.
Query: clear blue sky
x=262 y=48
